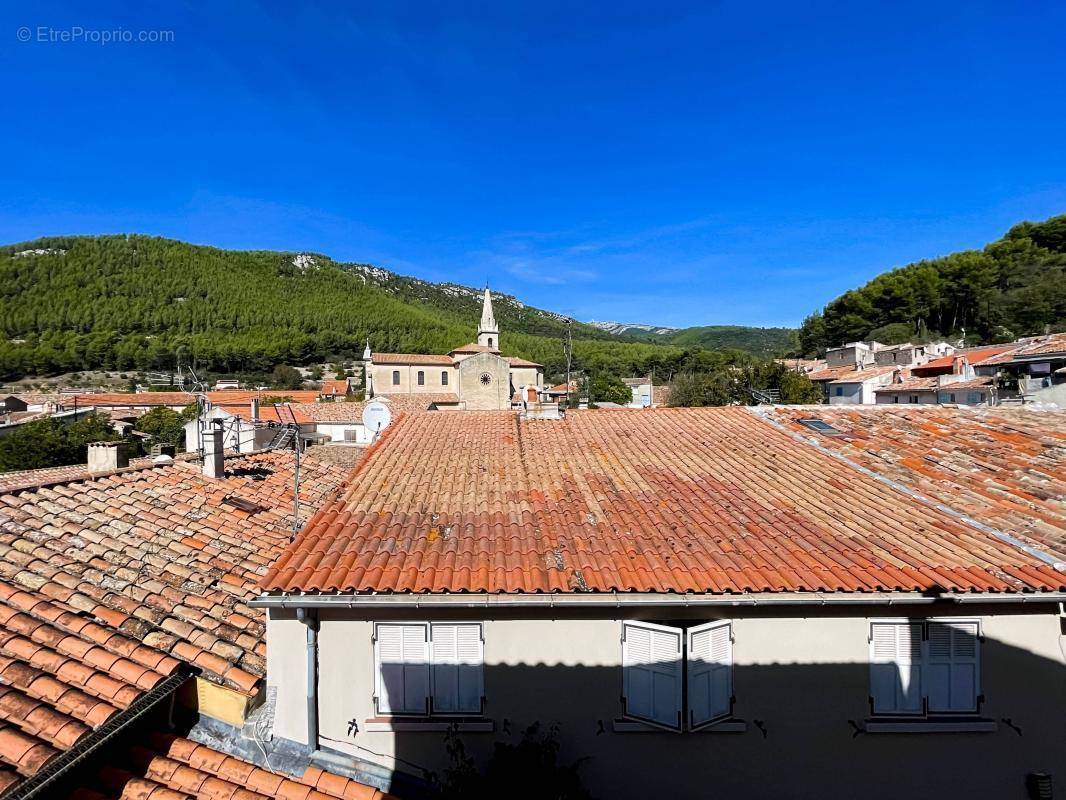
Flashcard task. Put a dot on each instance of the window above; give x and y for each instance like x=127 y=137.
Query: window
x=914 y=398
x=895 y=398
x=923 y=668
x=444 y=379
x=819 y=426
x=490 y=341
x=428 y=668
x=840 y=391
x=421 y=378
x=395 y=377
x=677 y=678
x=974 y=397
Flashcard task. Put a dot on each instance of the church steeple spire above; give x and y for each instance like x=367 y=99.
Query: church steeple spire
x=488 y=334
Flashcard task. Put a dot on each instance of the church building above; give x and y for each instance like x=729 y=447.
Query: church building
x=472 y=377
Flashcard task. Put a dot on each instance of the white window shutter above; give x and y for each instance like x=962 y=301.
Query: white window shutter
x=710 y=672
x=403 y=668
x=457 y=655
x=896 y=667
x=651 y=673
x=952 y=665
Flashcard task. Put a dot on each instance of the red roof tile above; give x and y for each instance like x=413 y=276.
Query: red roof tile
x=228 y=397
x=400 y=359
x=62 y=674
x=677 y=500
x=166 y=767
x=974 y=356
x=1005 y=467
x=1034 y=347
x=160 y=554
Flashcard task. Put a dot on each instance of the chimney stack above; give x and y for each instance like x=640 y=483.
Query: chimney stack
x=255 y=409
x=107 y=456
x=214 y=461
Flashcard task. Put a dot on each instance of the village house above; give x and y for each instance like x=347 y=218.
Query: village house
x=961 y=385
x=768 y=601
x=475 y=375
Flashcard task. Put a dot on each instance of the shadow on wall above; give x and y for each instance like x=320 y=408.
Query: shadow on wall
x=790 y=731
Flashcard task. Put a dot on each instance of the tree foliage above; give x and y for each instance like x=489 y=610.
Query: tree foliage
x=607 y=388
x=166 y=426
x=50 y=442
x=1016 y=286
x=734 y=380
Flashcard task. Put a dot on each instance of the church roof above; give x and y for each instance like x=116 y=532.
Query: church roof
x=410 y=358
x=521 y=362
x=474 y=347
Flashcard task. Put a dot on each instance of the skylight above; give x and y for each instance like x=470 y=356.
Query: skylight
x=817 y=425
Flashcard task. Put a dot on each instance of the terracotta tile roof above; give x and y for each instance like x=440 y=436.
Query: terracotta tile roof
x=1005 y=467
x=474 y=347
x=353 y=412
x=35 y=398
x=973 y=355
x=334 y=387
x=226 y=397
x=64 y=671
x=103 y=399
x=416 y=401
x=168 y=767
x=400 y=359
x=858 y=376
x=283 y=413
x=332 y=412
x=933 y=385
x=32 y=478
x=521 y=362
x=1033 y=348
x=910 y=385
x=678 y=500
x=163 y=555
x=847 y=372
x=979 y=382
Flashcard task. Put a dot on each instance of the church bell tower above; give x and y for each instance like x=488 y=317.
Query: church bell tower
x=488 y=334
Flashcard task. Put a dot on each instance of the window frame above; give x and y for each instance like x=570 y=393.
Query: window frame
x=395 y=377
x=429 y=711
x=444 y=377
x=420 y=377
x=684 y=673
x=925 y=713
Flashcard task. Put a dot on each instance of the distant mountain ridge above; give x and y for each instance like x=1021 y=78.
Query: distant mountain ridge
x=138 y=303
x=631 y=328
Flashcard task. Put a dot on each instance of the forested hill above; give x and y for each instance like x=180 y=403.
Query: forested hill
x=140 y=303
x=1016 y=286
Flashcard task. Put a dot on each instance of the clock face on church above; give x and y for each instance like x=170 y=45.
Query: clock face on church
x=485 y=379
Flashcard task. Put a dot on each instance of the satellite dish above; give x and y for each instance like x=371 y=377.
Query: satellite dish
x=376 y=416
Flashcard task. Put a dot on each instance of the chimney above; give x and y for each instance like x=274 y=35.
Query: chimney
x=107 y=456
x=214 y=461
x=255 y=409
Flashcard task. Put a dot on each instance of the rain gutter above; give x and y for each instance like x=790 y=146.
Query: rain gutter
x=366 y=602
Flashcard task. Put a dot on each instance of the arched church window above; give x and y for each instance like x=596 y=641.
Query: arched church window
x=421 y=378
x=395 y=377
x=444 y=379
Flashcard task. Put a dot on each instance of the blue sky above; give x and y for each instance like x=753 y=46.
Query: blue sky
x=713 y=163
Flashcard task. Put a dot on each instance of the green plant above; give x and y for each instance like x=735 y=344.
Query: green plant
x=530 y=769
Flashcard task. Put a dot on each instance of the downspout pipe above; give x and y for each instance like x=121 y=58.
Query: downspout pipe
x=309 y=618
